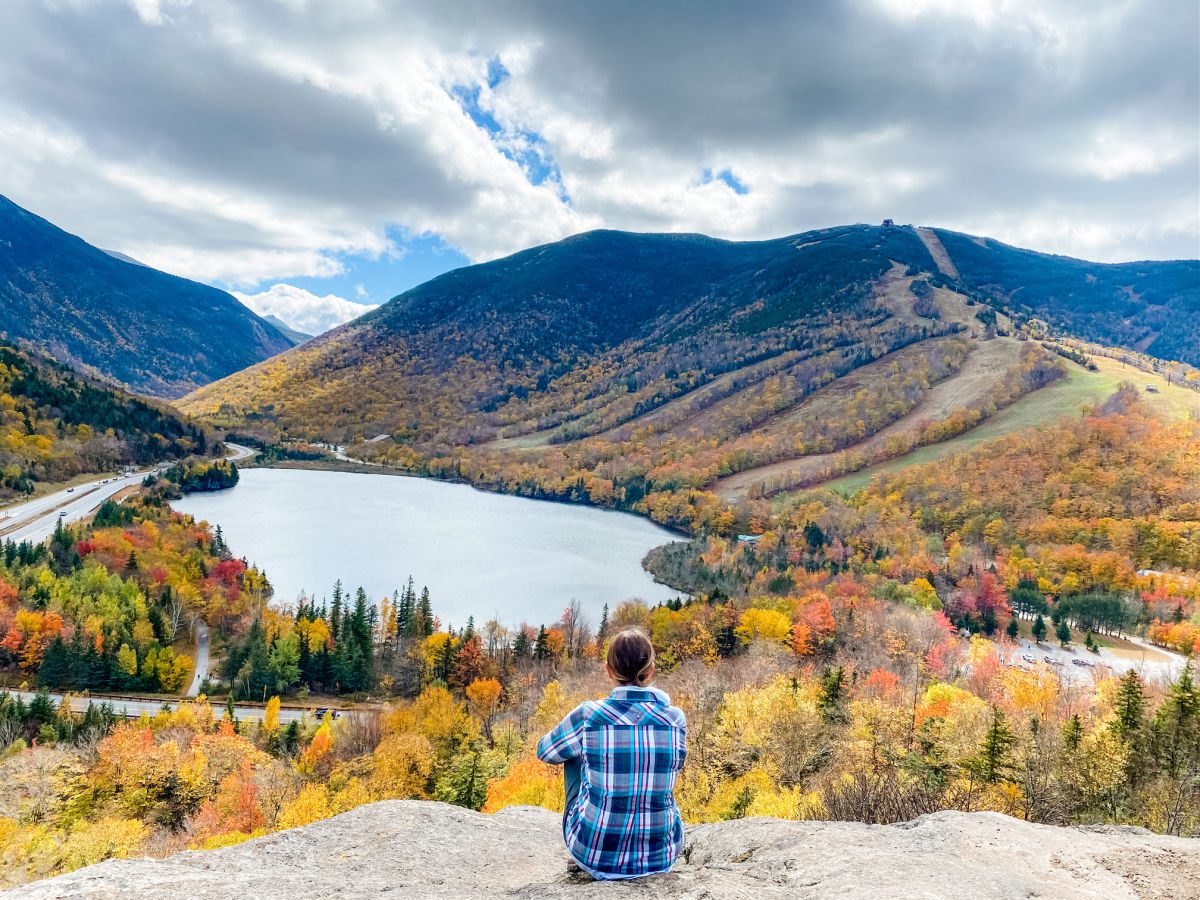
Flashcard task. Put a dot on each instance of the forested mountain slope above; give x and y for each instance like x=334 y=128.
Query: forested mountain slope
x=55 y=424
x=614 y=367
x=154 y=332
x=1151 y=306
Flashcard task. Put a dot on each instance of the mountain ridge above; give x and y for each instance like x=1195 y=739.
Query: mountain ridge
x=149 y=330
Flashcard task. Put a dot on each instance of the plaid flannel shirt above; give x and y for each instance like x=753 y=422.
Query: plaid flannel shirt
x=631 y=746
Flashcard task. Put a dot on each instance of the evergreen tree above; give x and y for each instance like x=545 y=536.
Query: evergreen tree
x=426 y=613
x=55 y=670
x=833 y=684
x=602 y=631
x=541 y=647
x=1177 y=737
x=994 y=762
x=305 y=663
x=1130 y=706
x=335 y=616
x=1063 y=633
x=290 y=742
x=403 y=613
x=1012 y=629
x=1073 y=733
x=1039 y=628
x=444 y=663
x=521 y=647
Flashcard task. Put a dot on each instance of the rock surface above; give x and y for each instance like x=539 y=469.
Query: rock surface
x=411 y=849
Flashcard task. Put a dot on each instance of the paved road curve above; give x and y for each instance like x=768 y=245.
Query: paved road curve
x=201 y=660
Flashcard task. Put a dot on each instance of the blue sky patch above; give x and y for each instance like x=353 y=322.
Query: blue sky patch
x=727 y=177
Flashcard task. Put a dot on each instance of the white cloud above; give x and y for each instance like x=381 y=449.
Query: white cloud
x=303 y=310
x=319 y=129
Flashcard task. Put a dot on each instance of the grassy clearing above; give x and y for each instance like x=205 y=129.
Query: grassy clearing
x=1066 y=397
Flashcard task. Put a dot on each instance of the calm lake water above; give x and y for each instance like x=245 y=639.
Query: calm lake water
x=481 y=554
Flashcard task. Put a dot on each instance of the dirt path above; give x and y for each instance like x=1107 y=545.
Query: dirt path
x=987 y=364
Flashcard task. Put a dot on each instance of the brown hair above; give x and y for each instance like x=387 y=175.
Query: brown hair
x=631 y=657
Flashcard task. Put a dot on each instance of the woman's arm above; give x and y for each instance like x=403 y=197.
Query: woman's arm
x=565 y=740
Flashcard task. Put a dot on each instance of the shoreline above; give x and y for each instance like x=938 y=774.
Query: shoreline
x=362 y=468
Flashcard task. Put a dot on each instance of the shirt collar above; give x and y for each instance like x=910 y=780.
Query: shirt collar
x=636 y=694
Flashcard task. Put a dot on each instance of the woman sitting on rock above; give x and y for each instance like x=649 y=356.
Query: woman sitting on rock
x=621 y=756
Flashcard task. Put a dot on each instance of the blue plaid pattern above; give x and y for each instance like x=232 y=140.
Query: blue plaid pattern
x=624 y=823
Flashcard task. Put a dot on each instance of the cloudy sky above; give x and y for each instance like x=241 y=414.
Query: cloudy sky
x=319 y=157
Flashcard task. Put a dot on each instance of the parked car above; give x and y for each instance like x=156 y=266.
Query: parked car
x=1028 y=657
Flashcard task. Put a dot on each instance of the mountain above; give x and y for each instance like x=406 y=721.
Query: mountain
x=59 y=424
x=1150 y=306
x=296 y=337
x=519 y=852
x=613 y=366
x=156 y=333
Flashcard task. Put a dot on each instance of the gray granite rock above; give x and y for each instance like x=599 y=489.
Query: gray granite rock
x=411 y=849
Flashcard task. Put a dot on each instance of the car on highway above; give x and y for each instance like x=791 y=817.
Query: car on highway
x=63 y=514
x=1052 y=661
x=70 y=490
x=320 y=712
x=1028 y=657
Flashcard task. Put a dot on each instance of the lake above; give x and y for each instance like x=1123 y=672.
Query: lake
x=481 y=554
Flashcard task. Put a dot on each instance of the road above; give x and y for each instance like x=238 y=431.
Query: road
x=133 y=707
x=201 y=660
x=34 y=520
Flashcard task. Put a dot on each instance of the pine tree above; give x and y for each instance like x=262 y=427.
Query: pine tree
x=1012 y=629
x=335 y=617
x=403 y=613
x=521 y=648
x=541 y=647
x=1130 y=706
x=1039 y=628
x=444 y=665
x=1177 y=735
x=1063 y=632
x=426 y=613
x=305 y=662
x=55 y=670
x=602 y=631
x=362 y=635
x=830 y=702
x=994 y=762
x=1073 y=733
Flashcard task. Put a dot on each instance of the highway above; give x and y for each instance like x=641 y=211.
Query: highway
x=133 y=707
x=34 y=520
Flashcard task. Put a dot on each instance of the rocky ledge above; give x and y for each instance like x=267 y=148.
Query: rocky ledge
x=413 y=849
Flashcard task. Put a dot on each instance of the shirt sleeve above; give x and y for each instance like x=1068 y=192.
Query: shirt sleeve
x=565 y=740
